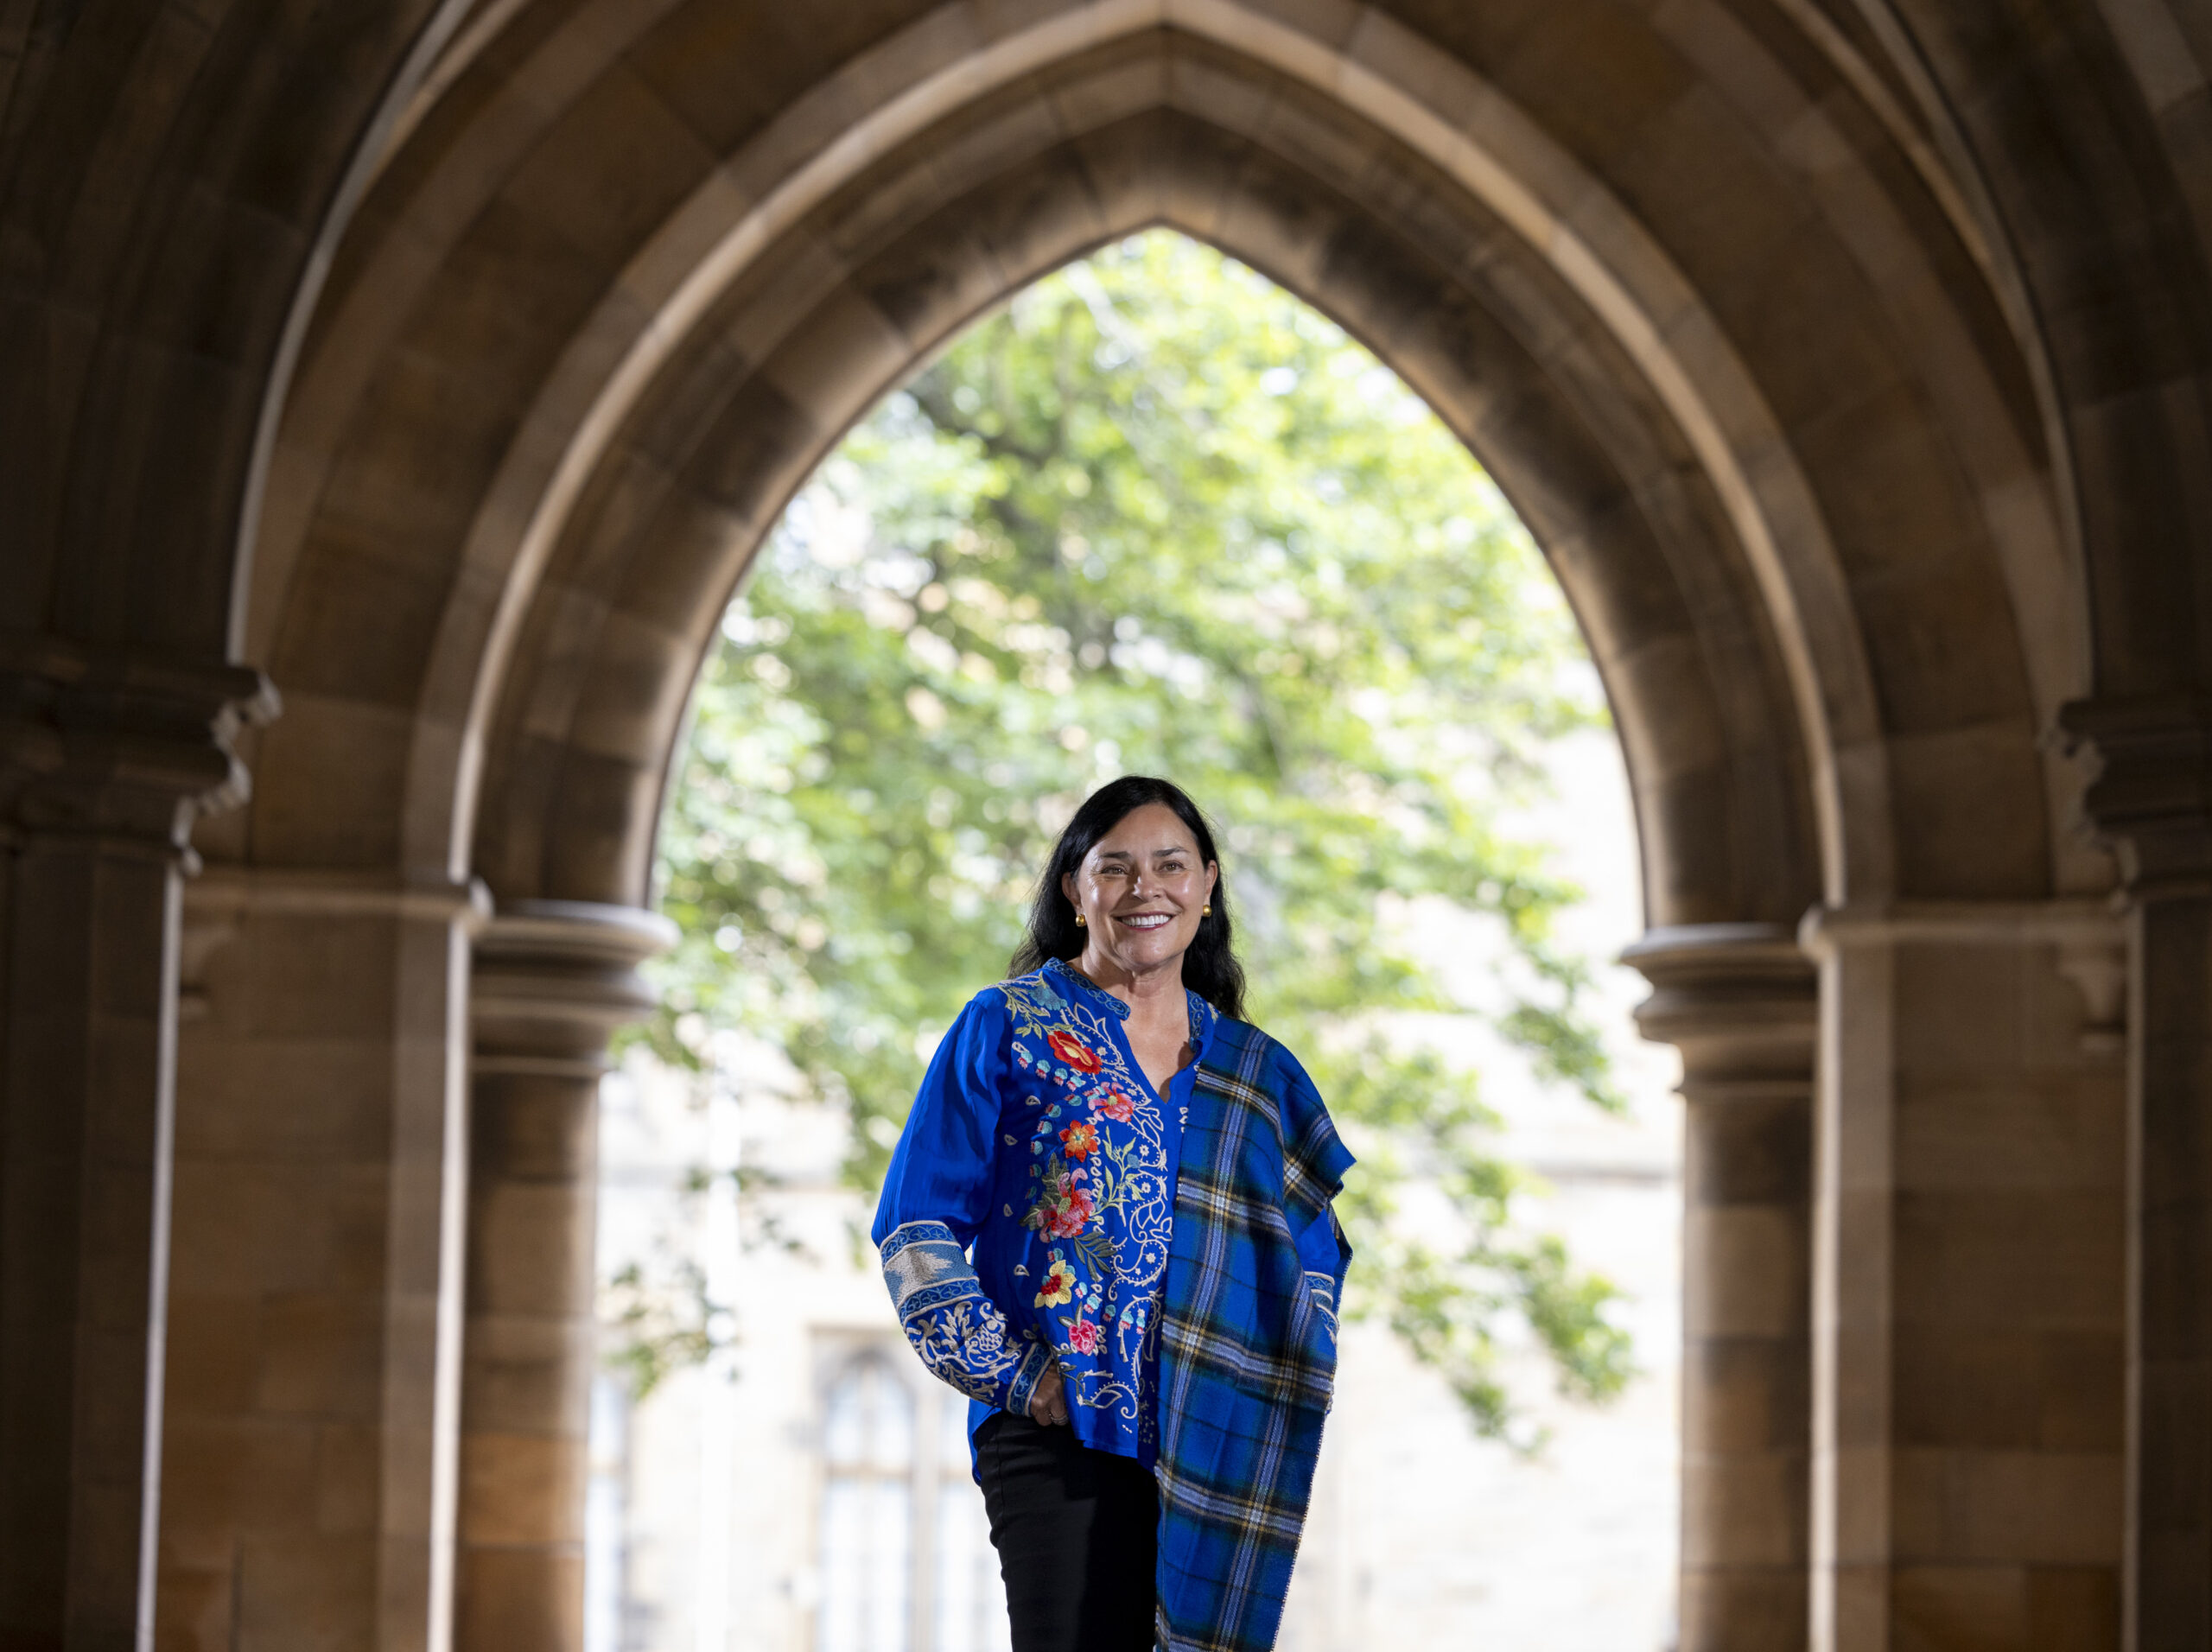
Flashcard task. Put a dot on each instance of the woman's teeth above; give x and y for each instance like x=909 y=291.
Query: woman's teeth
x=1148 y=920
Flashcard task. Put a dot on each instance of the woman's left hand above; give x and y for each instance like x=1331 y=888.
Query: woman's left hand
x=1048 y=1403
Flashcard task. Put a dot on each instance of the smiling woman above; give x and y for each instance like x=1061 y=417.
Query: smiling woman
x=1103 y=1127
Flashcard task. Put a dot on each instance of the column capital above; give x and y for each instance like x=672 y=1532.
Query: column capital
x=123 y=748
x=2148 y=791
x=1739 y=1001
x=553 y=978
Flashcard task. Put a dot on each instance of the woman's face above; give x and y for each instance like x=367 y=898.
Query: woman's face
x=1140 y=890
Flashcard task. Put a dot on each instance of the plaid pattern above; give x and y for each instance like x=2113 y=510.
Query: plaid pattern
x=1248 y=1344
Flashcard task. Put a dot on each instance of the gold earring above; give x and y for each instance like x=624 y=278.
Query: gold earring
x=1206 y=910
x=1081 y=922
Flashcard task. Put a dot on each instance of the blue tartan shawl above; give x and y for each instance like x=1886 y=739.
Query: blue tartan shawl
x=1248 y=1353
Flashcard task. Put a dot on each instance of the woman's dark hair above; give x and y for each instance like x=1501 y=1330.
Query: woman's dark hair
x=1209 y=968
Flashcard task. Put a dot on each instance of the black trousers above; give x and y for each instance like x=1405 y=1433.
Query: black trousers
x=1076 y=1531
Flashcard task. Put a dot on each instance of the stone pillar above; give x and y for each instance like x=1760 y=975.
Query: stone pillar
x=554 y=979
x=104 y=762
x=313 y=1395
x=1737 y=1001
x=1969 y=1278
x=2151 y=802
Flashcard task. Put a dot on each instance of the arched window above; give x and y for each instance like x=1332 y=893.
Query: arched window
x=868 y=1510
x=905 y=1561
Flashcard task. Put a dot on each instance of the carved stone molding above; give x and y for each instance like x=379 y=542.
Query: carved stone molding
x=1737 y=999
x=553 y=978
x=2148 y=796
x=123 y=748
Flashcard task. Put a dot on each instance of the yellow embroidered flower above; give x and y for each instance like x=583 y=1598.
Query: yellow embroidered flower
x=1059 y=1285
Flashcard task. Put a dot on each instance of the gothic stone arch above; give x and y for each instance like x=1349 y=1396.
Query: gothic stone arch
x=1773 y=323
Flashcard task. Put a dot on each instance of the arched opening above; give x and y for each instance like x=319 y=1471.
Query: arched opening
x=1756 y=460
x=1161 y=516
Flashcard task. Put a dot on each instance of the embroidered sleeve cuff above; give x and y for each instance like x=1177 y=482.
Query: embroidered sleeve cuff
x=958 y=1331
x=1034 y=1365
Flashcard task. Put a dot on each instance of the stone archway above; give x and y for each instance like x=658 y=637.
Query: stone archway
x=772 y=295
x=1724 y=296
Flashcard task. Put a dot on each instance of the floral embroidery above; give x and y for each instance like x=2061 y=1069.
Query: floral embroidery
x=1059 y=1285
x=1065 y=1208
x=1073 y=1051
x=1100 y=1200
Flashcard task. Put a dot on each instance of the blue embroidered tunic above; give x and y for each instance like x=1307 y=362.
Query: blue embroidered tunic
x=1037 y=1141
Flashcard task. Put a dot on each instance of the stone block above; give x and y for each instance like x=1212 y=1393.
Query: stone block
x=1744 y=1396
x=529 y=1375
x=349 y=1479
x=1957 y=1135
x=2073 y=1609
x=1748 y=1152
x=531 y=1249
x=300 y=1591
x=1750 y=1511
x=531 y=1597
x=214 y=1354
x=613 y=167
x=247 y=1228
x=347 y=570
x=641 y=676
x=1968 y=804
x=332 y=773
x=1746 y=1272
x=321 y=1356
x=1128 y=78
x=1961 y=1608
x=1028 y=221
x=600 y=846
x=2047 y=1261
x=233 y=1477
x=1742 y=1609
x=193 y=1608
x=521 y=1489
x=1958 y=1009
x=2051 y=1508
x=527 y=1127
x=302 y=1100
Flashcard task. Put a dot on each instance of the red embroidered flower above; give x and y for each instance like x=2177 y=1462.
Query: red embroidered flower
x=1072 y=1050
x=1079 y=1140
x=1115 y=1105
x=1083 y=1337
x=1063 y=1208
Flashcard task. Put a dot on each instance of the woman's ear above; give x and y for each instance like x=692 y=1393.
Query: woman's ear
x=1067 y=889
x=1213 y=876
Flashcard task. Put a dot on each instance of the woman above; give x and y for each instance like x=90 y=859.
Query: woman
x=1147 y=1333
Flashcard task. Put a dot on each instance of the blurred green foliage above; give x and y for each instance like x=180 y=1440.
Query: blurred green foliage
x=1158 y=516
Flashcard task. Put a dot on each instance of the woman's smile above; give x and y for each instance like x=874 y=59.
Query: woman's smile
x=1144 y=920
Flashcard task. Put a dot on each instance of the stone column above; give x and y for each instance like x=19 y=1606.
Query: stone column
x=553 y=979
x=2151 y=802
x=1968 y=1279
x=1738 y=1001
x=312 y=1442
x=104 y=762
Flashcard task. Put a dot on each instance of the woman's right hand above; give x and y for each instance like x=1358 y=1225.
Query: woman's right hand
x=1048 y=1401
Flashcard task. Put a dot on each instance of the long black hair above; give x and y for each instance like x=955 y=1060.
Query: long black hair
x=1210 y=967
